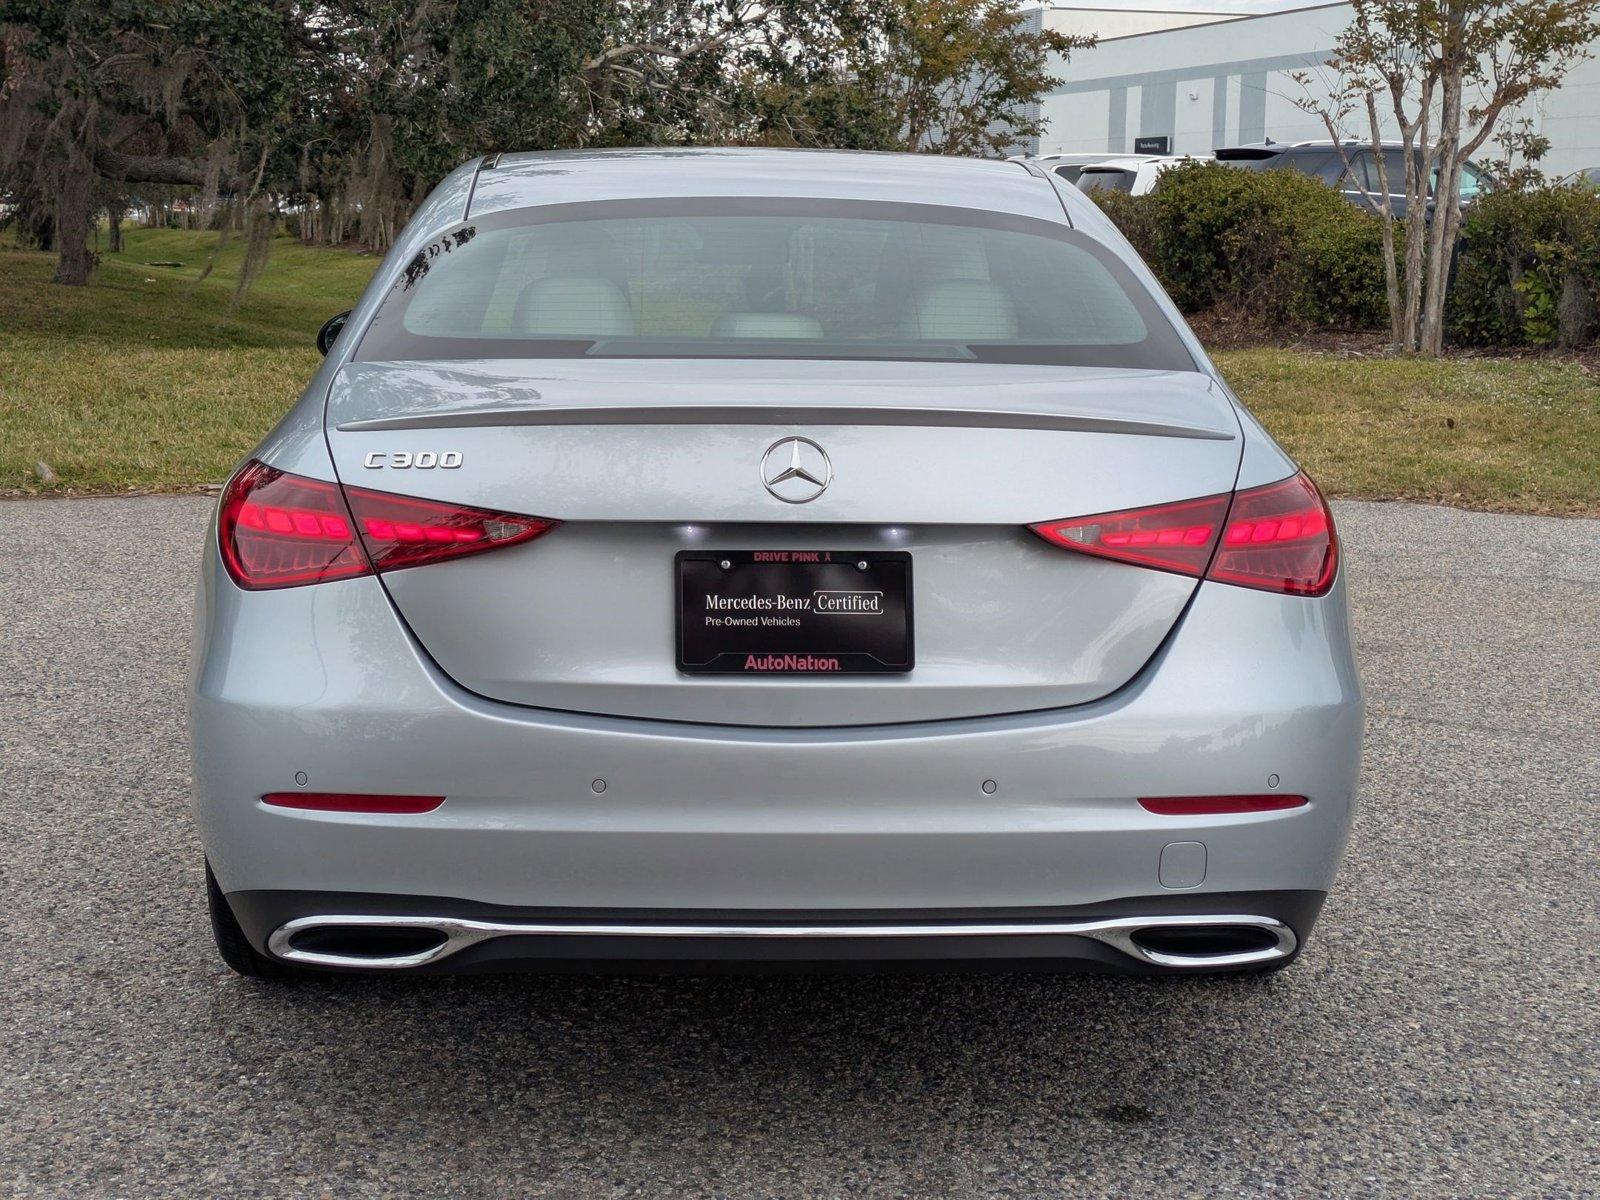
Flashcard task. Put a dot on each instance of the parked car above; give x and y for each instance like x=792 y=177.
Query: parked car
x=755 y=555
x=1586 y=177
x=1323 y=160
x=1136 y=175
x=1069 y=166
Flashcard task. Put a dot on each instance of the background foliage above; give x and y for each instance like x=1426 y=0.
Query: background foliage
x=341 y=114
x=1278 y=247
x=1528 y=273
x=1282 y=249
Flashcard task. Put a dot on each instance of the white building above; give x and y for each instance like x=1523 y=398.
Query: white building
x=1208 y=73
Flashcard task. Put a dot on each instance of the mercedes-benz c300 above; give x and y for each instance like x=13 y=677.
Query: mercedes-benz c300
x=737 y=556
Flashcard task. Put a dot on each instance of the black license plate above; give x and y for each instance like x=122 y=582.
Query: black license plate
x=794 y=612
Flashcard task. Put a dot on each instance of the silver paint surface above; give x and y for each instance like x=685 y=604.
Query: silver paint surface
x=512 y=683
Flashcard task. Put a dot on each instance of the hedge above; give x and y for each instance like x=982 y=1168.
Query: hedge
x=1277 y=246
x=1285 y=249
x=1528 y=269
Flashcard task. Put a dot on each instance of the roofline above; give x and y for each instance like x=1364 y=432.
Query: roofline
x=1228 y=13
x=1222 y=19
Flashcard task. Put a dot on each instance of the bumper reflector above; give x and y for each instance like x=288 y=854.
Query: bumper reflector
x=1199 y=806
x=350 y=802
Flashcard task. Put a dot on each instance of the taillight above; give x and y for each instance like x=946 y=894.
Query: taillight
x=279 y=530
x=1173 y=537
x=1278 y=538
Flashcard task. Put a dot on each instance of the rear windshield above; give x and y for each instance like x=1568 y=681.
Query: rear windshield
x=780 y=279
x=1094 y=180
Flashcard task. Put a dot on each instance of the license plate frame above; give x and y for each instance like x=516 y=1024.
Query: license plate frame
x=838 y=631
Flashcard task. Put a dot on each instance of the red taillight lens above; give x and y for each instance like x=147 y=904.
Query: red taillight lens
x=279 y=530
x=1279 y=538
x=401 y=532
x=352 y=802
x=1197 y=806
x=1173 y=537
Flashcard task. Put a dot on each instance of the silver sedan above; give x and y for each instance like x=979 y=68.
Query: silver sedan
x=748 y=556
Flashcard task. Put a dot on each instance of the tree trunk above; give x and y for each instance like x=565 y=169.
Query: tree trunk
x=1404 y=309
x=1455 y=59
x=1391 y=271
x=1391 y=282
x=115 y=216
x=73 y=210
x=35 y=222
x=1575 y=314
x=1416 y=214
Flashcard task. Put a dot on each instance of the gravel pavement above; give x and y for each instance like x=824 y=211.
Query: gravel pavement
x=1439 y=1037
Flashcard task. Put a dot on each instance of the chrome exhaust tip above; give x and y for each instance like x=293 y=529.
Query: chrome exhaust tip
x=390 y=943
x=1199 y=942
x=370 y=942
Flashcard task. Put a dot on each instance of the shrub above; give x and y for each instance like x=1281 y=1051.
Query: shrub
x=1278 y=246
x=1528 y=270
x=1136 y=217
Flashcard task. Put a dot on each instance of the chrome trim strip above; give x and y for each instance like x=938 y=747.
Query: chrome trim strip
x=459 y=933
x=778 y=414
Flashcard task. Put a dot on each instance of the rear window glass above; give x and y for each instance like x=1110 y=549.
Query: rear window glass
x=827 y=279
x=1093 y=180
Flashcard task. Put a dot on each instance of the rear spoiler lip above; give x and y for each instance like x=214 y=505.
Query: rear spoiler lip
x=781 y=414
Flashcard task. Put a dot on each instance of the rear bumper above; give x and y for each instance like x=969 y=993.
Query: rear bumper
x=324 y=682
x=431 y=935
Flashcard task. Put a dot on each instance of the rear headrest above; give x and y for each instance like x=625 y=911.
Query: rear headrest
x=961 y=310
x=573 y=306
x=946 y=252
x=766 y=325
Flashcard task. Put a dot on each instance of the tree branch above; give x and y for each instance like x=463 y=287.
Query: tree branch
x=152 y=168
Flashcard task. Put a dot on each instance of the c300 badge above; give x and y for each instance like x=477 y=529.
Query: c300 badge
x=422 y=460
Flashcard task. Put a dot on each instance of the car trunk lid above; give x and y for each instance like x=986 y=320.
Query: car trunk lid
x=642 y=460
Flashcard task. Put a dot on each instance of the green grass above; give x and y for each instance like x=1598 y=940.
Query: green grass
x=1511 y=434
x=151 y=379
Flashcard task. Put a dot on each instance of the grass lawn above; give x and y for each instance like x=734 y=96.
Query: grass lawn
x=1512 y=434
x=151 y=379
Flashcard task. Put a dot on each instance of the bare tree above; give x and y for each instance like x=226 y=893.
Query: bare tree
x=1447 y=73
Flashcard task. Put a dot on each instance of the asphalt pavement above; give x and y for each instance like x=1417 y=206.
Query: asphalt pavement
x=1440 y=1037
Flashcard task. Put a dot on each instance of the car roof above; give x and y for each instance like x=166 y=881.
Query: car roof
x=1071 y=159
x=1271 y=149
x=556 y=177
x=1126 y=161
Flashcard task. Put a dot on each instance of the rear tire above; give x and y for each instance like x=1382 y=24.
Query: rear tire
x=232 y=944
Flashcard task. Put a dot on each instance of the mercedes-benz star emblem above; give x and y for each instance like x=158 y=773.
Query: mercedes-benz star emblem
x=796 y=469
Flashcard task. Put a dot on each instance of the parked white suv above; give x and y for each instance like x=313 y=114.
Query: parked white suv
x=1070 y=166
x=1134 y=174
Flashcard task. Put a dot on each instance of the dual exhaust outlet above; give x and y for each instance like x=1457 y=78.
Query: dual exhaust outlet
x=395 y=943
